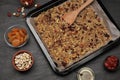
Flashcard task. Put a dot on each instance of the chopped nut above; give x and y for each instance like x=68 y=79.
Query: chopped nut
x=14 y=14
x=23 y=15
x=22 y=9
x=17 y=14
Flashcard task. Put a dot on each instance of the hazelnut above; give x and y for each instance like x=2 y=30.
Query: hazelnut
x=27 y=3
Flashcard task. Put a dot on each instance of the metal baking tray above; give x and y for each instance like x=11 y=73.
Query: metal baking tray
x=54 y=3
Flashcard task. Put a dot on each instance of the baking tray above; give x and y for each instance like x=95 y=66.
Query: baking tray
x=49 y=5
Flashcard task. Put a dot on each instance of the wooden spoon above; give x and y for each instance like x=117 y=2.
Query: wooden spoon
x=71 y=16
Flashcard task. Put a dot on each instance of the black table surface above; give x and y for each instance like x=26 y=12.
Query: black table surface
x=41 y=69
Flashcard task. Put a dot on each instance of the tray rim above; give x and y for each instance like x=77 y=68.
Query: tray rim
x=79 y=63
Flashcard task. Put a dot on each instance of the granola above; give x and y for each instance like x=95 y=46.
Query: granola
x=69 y=44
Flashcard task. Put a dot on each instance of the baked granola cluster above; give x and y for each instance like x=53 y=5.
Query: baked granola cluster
x=69 y=44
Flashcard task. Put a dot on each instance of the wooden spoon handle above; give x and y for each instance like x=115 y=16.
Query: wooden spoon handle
x=71 y=16
x=85 y=5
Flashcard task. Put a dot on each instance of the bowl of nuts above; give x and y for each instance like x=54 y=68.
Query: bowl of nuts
x=22 y=60
x=16 y=36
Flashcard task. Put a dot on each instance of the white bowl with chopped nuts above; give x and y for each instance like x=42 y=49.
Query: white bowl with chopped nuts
x=22 y=60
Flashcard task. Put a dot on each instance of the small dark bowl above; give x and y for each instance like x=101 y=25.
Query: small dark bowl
x=21 y=52
x=9 y=29
x=116 y=68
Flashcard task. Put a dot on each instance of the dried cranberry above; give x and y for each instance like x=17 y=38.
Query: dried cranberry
x=64 y=64
x=111 y=63
x=106 y=35
x=85 y=28
x=19 y=9
x=9 y=14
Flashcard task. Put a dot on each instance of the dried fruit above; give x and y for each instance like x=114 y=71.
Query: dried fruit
x=17 y=36
x=111 y=63
x=9 y=14
x=16 y=42
x=19 y=9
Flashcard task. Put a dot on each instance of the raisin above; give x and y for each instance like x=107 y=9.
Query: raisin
x=91 y=43
x=91 y=39
x=63 y=28
x=81 y=38
x=96 y=36
x=64 y=63
x=36 y=23
x=71 y=28
x=59 y=42
x=19 y=9
x=89 y=21
x=85 y=28
x=83 y=32
x=91 y=29
x=9 y=14
x=106 y=35
x=81 y=45
x=81 y=50
x=96 y=40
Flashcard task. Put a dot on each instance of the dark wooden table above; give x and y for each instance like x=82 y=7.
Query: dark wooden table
x=41 y=69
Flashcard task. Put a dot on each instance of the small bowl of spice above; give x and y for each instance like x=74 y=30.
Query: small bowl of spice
x=111 y=63
x=22 y=60
x=16 y=36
